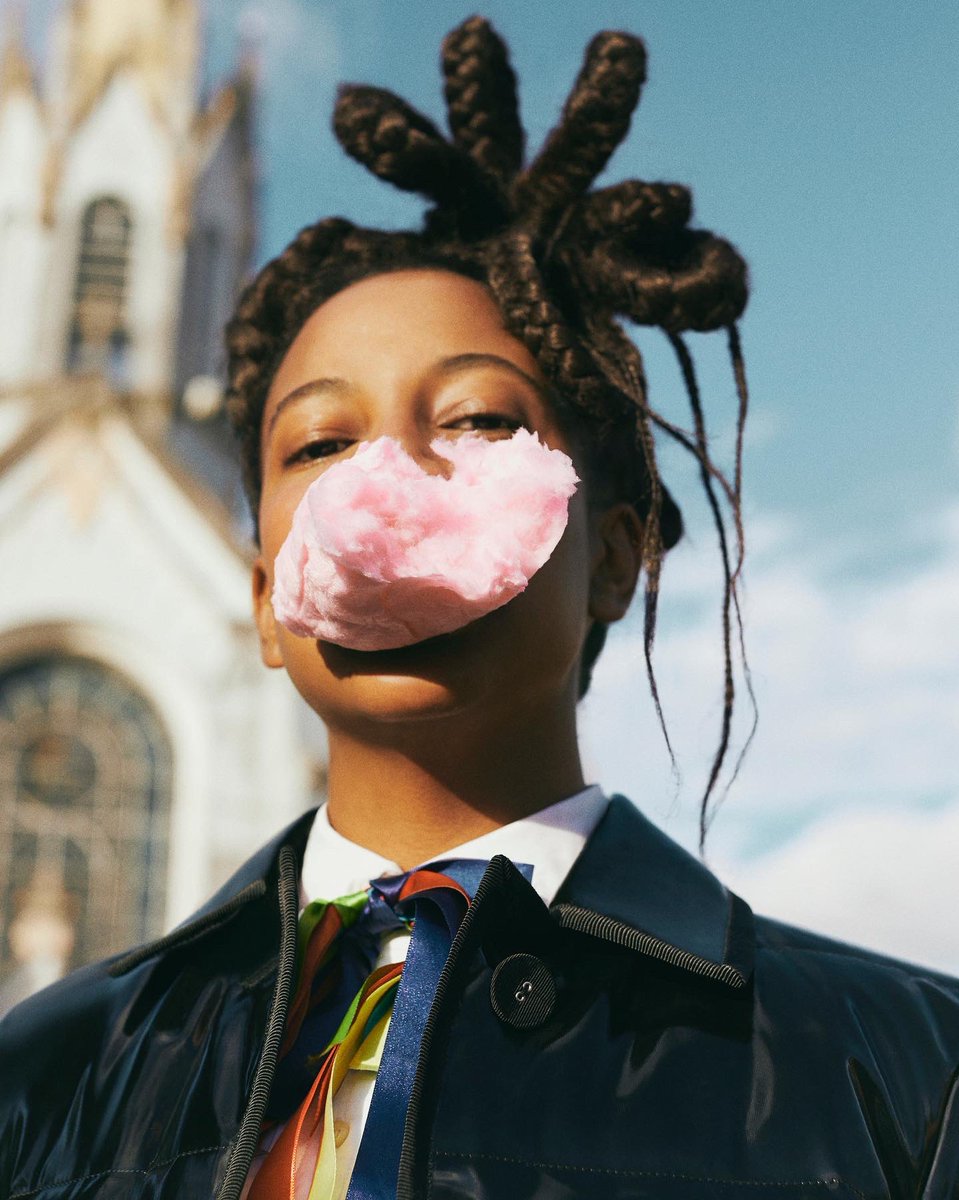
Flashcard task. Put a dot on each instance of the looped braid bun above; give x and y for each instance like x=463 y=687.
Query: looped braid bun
x=400 y=145
x=481 y=99
x=594 y=121
x=693 y=281
x=563 y=263
x=633 y=208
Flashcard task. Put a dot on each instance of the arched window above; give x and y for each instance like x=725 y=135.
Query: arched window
x=98 y=332
x=85 y=790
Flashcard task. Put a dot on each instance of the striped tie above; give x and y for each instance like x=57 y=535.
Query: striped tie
x=346 y=1014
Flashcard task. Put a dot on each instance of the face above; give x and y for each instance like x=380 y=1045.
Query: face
x=417 y=355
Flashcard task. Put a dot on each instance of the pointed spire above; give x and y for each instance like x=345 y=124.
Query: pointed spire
x=16 y=71
x=158 y=40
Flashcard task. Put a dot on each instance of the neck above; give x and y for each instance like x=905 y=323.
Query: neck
x=413 y=793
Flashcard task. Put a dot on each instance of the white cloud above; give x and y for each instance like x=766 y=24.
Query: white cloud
x=886 y=879
x=858 y=686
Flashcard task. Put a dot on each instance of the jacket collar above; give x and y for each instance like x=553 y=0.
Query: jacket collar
x=631 y=885
x=262 y=878
x=657 y=898
x=261 y=870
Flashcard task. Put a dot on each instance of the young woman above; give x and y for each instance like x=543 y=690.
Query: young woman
x=584 y=1011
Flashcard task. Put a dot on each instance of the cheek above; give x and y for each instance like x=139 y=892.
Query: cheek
x=575 y=545
x=560 y=590
x=301 y=658
x=275 y=520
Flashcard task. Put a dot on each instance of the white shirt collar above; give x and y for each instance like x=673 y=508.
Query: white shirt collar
x=549 y=840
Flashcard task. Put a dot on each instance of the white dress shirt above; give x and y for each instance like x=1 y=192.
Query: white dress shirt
x=550 y=841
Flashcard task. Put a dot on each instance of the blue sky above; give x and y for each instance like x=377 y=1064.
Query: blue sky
x=820 y=137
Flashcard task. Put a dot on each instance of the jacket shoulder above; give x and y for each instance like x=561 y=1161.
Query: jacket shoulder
x=847 y=996
x=776 y=938
x=47 y=1044
x=54 y=1031
x=93 y=1000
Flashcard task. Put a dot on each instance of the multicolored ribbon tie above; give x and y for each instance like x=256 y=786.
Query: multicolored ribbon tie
x=348 y=1014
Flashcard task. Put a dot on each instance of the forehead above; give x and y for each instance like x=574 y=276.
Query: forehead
x=397 y=325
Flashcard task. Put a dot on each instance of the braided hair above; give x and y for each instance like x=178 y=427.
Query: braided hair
x=562 y=262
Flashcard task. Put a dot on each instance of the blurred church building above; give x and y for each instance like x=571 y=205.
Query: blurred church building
x=144 y=750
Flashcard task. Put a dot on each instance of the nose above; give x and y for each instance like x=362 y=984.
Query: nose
x=415 y=438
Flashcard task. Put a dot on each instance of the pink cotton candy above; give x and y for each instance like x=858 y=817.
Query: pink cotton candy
x=382 y=554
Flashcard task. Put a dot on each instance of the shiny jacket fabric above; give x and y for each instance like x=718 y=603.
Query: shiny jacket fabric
x=677 y=1048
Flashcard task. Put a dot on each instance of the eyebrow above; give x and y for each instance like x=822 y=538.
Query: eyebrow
x=452 y=365
x=466 y=362
x=315 y=387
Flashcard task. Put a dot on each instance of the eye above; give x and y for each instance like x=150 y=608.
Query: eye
x=483 y=422
x=321 y=448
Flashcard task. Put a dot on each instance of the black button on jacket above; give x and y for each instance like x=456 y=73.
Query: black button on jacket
x=677 y=1049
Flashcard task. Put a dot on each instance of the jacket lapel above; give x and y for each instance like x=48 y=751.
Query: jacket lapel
x=263 y=865
x=635 y=886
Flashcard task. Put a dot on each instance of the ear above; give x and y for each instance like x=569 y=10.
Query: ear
x=617 y=558
x=263 y=615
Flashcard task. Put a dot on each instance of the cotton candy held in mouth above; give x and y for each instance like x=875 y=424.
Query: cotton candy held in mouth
x=382 y=553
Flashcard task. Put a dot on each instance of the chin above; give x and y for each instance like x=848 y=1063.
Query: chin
x=414 y=683
x=373 y=700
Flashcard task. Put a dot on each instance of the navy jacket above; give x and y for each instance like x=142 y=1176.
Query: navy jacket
x=667 y=1045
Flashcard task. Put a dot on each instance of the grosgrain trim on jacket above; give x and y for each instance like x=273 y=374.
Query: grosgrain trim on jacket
x=249 y=1135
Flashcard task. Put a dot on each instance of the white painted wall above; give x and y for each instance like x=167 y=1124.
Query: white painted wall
x=22 y=240
x=99 y=547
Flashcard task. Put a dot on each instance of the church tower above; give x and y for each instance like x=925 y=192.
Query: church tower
x=144 y=752
x=126 y=206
